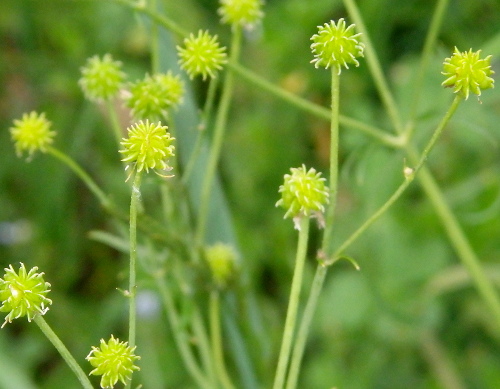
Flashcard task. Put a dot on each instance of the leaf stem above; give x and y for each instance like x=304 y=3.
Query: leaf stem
x=291 y=316
x=65 y=354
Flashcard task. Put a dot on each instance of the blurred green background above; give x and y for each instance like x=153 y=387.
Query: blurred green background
x=410 y=318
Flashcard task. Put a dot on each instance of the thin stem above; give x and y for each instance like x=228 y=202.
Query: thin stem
x=219 y=132
x=314 y=109
x=409 y=179
x=134 y=203
x=305 y=325
x=217 y=349
x=181 y=338
x=334 y=161
x=155 y=42
x=205 y=118
x=374 y=67
x=322 y=268
x=115 y=123
x=156 y=17
x=293 y=304
x=203 y=344
x=65 y=354
x=430 y=41
x=94 y=188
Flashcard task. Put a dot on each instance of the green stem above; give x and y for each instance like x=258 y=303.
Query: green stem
x=322 y=268
x=314 y=109
x=409 y=179
x=217 y=349
x=430 y=41
x=115 y=123
x=334 y=161
x=218 y=138
x=203 y=344
x=181 y=338
x=374 y=67
x=293 y=304
x=205 y=118
x=68 y=358
x=134 y=203
x=155 y=43
x=103 y=199
x=156 y=17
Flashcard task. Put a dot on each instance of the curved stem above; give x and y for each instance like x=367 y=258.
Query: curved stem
x=94 y=188
x=215 y=333
x=293 y=304
x=312 y=108
x=65 y=354
x=219 y=132
x=375 y=68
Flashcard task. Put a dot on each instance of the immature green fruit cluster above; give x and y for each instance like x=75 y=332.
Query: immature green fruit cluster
x=201 y=55
x=335 y=45
x=152 y=97
x=114 y=361
x=466 y=73
x=148 y=146
x=241 y=13
x=23 y=293
x=31 y=133
x=303 y=193
x=101 y=78
x=221 y=259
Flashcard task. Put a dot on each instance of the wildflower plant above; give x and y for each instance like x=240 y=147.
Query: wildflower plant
x=23 y=293
x=32 y=133
x=201 y=55
x=114 y=361
x=173 y=242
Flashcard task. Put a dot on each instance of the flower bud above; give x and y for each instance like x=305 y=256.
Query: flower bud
x=222 y=261
x=241 y=13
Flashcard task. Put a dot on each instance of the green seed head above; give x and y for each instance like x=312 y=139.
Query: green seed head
x=466 y=72
x=201 y=55
x=31 y=133
x=154 y=96
x=303 y=193
x=148 y=146
x=241 y=13
x=222 y=261
x=335 y=45
x=23 y=293
x=114 y=361
x=101 y=78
